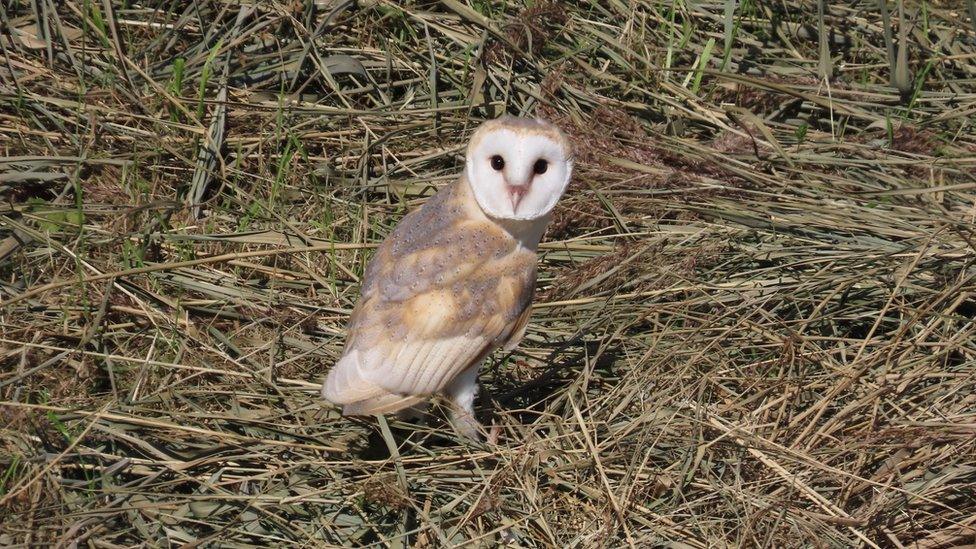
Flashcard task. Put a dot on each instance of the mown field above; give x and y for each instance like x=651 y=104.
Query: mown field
x=754 y=322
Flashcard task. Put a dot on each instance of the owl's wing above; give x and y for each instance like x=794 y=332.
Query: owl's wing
x=430 y=309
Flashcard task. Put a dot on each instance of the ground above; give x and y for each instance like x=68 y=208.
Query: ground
x=754 y=315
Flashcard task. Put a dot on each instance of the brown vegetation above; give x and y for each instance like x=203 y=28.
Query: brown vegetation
x=756 y=303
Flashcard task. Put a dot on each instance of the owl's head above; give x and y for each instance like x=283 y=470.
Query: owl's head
x=518 y=167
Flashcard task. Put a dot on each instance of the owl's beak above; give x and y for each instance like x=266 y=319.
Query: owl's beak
x=515 y=194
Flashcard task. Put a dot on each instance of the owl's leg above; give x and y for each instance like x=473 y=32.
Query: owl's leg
x=462 y=392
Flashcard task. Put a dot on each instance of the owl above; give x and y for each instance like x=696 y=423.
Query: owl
x=454 y=280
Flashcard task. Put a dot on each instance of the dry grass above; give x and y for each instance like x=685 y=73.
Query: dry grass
x=757 y=302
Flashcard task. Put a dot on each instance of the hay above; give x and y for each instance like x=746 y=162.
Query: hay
x=755 y=323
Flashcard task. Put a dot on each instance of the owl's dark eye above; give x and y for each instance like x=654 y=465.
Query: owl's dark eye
x=540 y=166
x=497 y=163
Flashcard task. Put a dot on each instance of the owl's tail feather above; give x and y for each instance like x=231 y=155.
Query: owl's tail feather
x=384 y=404
x=346 y=386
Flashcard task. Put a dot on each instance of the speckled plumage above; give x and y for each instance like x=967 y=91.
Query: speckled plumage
x=445 y=283
x=447 y=287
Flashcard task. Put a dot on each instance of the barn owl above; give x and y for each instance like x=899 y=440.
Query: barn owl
x=454 y=280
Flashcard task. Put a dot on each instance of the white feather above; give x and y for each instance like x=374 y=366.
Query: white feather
x=519 y=151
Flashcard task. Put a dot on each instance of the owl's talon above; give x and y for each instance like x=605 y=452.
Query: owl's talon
x=466 y=425
x=493 y=434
